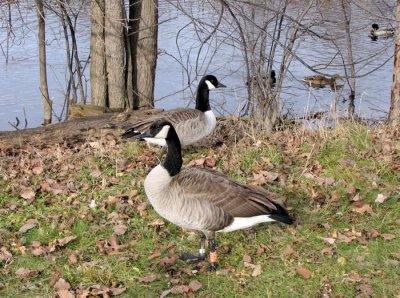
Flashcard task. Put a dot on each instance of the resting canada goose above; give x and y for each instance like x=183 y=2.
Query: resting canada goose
x=202 y=199
x=377 y=32
x=318 y=81
x=192 y=125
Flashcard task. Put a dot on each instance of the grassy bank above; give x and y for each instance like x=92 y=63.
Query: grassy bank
x=75 y=219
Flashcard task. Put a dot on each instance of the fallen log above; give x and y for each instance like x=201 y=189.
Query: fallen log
x=73 y=131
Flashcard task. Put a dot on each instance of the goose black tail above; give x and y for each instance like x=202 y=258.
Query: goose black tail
x=130 y=133
x=281 y=215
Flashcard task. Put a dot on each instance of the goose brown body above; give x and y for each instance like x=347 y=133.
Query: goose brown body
x=191 y=125
x=204 y=199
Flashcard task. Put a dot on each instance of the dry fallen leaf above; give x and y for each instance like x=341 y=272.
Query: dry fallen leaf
x=149 y=278
x=303 y=272
x=341 y=261
x=289 y=251
x=36 y=249
x=154 y=255
x=356 y=198
x=373 y=233
x=246 y=259
x=37 y=170
x=95 y=174
x=168 y=261
x=133 y=193
x=210 y=162
x=365 y=290
x=262 y=248
x=5 y=256
x=120 y=229
x=30 y=224
x=381 y=198
x=62 y=289
x=365 y=208
x=28 y=194
x=195 y=285
x=61 y=242
x=158 y=222
x=329 y=240
x=270 y=176
x=256 y=270
x=388 y=237
x=326 y=251
x=25 y=272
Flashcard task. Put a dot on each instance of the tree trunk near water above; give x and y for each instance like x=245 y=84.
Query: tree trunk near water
x=352 y=83
x=98 y=81
x=115 y=52
x=74 y=131
x=42 y=62
x=132 y=38
x=145 y=53
x=394 y=113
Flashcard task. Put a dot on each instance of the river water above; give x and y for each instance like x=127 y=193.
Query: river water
x=176 y=65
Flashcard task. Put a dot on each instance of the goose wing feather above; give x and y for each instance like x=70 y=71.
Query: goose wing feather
x=176 y=116
x=219 y=190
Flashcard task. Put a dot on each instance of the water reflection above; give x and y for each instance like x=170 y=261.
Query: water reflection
x=181 y=61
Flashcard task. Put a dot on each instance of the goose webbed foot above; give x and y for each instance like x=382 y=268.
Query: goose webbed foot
x=213 y=267
x=190 y=258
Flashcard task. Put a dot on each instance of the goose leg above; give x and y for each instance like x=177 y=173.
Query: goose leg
x=202 y=252
x=213 y=255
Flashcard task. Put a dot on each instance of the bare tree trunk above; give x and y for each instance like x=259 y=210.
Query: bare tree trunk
x=42 y=62
x=71 y=85
x=98 y=81
x=352 y=84
x=146 y=53
x=75 y=54
x=394 y=113
x=272 y=106
x=115 y=50
x=132 y=38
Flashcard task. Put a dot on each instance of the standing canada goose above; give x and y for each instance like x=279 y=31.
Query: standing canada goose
x=202 y=199
x=192 y=125
x=377 y=32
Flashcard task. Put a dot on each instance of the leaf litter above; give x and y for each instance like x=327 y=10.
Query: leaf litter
x=52 y=175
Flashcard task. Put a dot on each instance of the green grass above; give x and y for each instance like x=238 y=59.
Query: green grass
x=320 y=211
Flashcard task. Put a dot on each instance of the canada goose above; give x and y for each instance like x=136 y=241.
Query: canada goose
x=272 y=79
x=318 y=81
x=192 y=125
x=377 y=32
x=202 y=199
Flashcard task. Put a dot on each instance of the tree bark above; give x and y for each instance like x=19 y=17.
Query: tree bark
x=79 y=130
x=75 y=54
x=42 y=62
x=352 y=84
x=132 y=38
x=98 y=81
x=394 y=113
x=115 y=52
x=146 y=52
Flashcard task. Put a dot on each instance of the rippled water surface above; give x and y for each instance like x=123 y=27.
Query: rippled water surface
x=19 y=78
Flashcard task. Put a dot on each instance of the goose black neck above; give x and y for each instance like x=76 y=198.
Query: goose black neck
x=173 y=159
x=202 y=98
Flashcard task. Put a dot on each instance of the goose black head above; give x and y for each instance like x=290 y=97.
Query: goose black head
x=159 y=130
x=375 y=26
x=211 y=82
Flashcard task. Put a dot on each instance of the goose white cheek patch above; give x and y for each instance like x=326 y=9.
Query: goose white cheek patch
x=210 y=85
x=159 y=142
x=163 y=132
